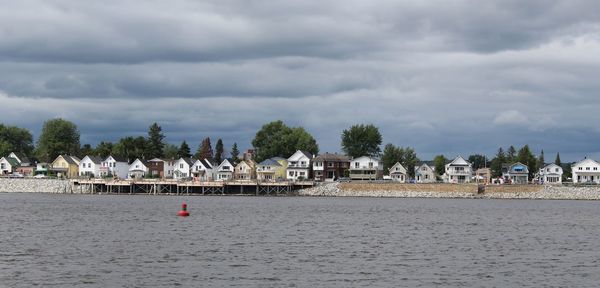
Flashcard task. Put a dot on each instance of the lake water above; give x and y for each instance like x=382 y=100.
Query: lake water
x=133 y=241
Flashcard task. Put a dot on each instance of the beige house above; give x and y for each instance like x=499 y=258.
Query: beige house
x=66 y=166
x=245 y=170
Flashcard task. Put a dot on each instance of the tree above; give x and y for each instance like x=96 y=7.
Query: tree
x=361 y=140
x=405 y=156
x=497 y=163
x=526 y=157
x=478 y=161
x=58 y=137
x=15 y=139
x=439 y=162
x=86 y=150
x=219 y=151
x=170 y=151
x=184 y=150
x=277 y=139
x=541 y=161
x=104 y=149
x=511 y=154
x=557 y=160
x=155 y=143
x=235 y=152
x=205 y=149
x=131 y=148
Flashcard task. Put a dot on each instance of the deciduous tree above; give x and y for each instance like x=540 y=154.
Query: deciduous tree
x=58 y=137
x=277 y=139
x=361 y=140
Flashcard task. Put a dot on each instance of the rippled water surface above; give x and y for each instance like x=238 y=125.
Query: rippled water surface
x=133 y=241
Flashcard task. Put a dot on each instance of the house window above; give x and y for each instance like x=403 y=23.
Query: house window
x=595 y=168
x=556 y=170
x=302 y=173
x=356 y=165
x=329 y=164
x=89 y=165
x=370 y=164
x=181 y=166
x=587 y=168
x=580 y=168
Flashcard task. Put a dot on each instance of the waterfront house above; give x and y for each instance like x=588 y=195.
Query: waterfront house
x=366 y=168
x=138 y=169
x=21 y=158
x=551 y=174
x=299 y=165
x=271 y=169
x=586 y=171
x=245 y=170
x=8 y=165
x=42 y=168
x=330 y=166
x=203 y=170
x=89 y=166
x=114 y=166
x=458 y=170
x=183 y=168
x=398 y=173
x=517 y=173
x=66 y=166
x=161 y=168
x=225 y=170
x=424 y=173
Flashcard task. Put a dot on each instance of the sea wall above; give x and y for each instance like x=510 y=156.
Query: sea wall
x=35 y=185
x=452 y=191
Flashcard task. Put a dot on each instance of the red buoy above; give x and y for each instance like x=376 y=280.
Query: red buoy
x=183 y=211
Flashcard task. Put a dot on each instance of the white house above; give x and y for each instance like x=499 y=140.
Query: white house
x=114 y=166
x=551 y=174
x=424 y=173
x=183 y=168
x=586 y=171
x=89 y=166
x=299 y=165
x=398 y=173
x=138 y=169
x=366 y=168
x=225 y=170
x=458 y=171
x=8 y=165
x=203 y=170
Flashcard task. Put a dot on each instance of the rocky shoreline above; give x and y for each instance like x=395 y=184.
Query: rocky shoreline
x=30 y=185
x=545 y=192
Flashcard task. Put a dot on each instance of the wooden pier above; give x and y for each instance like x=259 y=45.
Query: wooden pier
x=172 y=187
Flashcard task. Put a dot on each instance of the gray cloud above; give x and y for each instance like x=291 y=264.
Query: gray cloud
x=459 y=78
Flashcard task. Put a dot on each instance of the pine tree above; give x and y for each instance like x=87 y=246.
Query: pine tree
x=557 y=160
x=184 y=150
x=205 y=149
x=235 y=152
x=155 y=142
x=511 y=154
x=541 y=160
x=497 y=163
x=219 y=151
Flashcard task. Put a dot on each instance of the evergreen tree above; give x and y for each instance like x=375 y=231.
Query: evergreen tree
x=170 y=151
x=497 y=163
x=184 y=150
x=511 y=155
x=205 y=149
x=235 y=152
x=526 y=157
x=541 y=161
x=86 y=150
x=557 y=160
x=104 y=149
x=478 y=161
x=155 y=143
x=219 y=151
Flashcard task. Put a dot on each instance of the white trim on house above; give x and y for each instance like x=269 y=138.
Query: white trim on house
x=299 y=166
x=398 y=173
x=458 y=171
x=586 y=171
x=551 y=174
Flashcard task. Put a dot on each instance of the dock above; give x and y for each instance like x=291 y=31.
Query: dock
x=174 y=187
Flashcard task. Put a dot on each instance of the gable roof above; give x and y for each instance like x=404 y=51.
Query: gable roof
x=398 y=164
x=116 y=158
x=459 y=161
x=332 y=157
x=20 y=157
x=584 y=160
x=12 y=161
x=94 y=159
x=187 y=160
x=269 y=162
x=72 y=160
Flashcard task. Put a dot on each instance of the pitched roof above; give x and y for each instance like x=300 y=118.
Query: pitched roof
x=116 y=158
x=95 y=159
x=21 y=157
x=11 y=161
x=332 y=157
x=269 y=162
x=189 y=161
x=459 y=161
x=69 y=159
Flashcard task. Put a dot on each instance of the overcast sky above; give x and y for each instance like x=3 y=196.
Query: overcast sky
x=449 y=77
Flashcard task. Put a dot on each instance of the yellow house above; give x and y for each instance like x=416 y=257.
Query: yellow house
x=66 y=166
x=272 y=169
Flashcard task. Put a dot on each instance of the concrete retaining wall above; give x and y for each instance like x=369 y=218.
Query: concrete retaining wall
x=34 y=185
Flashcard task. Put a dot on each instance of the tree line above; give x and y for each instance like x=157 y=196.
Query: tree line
x=273 y=139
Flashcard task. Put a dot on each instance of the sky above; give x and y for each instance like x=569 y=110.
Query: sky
x=443 y=77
